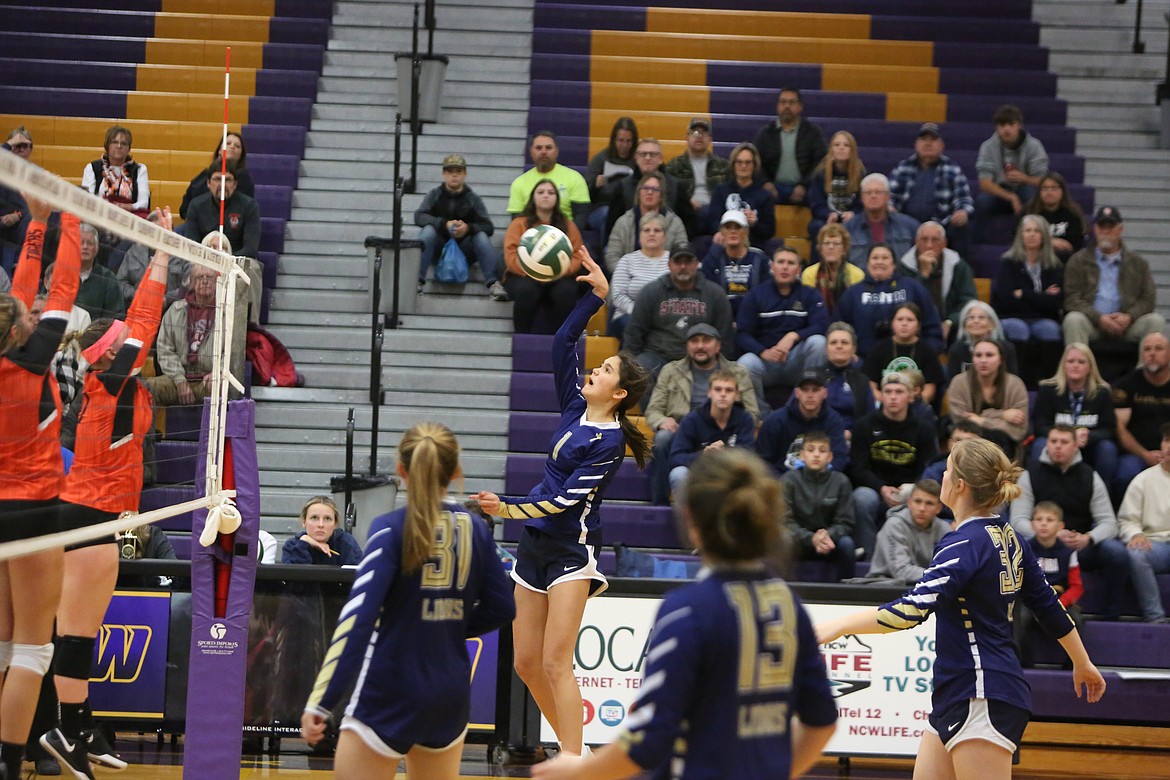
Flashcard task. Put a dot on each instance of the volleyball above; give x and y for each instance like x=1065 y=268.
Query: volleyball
x=545 y=253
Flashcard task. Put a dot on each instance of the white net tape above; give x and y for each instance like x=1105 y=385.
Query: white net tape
x=19 y=174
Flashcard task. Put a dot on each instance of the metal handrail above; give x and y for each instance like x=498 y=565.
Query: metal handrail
x=1139 y=46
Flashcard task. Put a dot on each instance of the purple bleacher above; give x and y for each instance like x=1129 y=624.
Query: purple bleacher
x=275 y=140
x=1006 y=9
x=293 y=56
x=532 y=392
x=523 y=472
x=72 y=47
x=135 y=24
x=1114 y=644
x=184 y=423
x=531 y=431
x=287 y=83
x=274 y=201
x=298 y=30
x=635 y=525
x=278 y=169
x=273 y=110
x=62 y=102
x=762 y=102
x=533 y=353
x=990 y=55
x=271 y=263
x=984 y=259
x=176 y=460
x=1128 y=701
x=158 y=496
x=989 y=81
x=272 y=234
x=57 y=73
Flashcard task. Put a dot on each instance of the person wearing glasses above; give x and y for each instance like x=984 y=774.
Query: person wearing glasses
x=14 y=217
x=748 y=193
x=647 y=159
x=117 y=177
x=625 y=236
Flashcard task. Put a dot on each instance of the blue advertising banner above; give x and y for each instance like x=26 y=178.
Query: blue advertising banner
x=131 y=657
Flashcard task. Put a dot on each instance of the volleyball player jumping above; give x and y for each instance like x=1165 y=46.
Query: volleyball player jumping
x=32 y=474
x=981 y=700
x=104 y=481
x=734 y=685
x=430 y=578
x=556 y=561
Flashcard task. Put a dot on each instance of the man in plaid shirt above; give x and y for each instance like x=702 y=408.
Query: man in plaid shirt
x=927 y=186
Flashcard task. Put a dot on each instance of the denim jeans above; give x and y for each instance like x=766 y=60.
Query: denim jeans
x=1032 y=330
x=1144 y=565
x=477 y=248
x=809 y=353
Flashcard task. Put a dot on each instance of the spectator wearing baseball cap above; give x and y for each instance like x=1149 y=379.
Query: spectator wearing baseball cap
x=733 y=263
x=783 y=431
x=681 y=388
x=1109 y=292
x=928 y=186
x=669 y=306
x=699 y=170
x=454 y=212
x=890 y=448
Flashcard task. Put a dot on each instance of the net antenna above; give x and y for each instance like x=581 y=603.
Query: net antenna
x=21 y=175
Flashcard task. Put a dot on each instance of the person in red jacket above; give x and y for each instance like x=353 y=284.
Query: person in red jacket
x=33 y=476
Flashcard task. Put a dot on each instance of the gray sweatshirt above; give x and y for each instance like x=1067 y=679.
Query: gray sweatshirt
x=903 y=549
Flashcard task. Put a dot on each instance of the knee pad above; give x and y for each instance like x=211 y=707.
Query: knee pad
x=35 y=658
x=74 y=657
x=5 y=655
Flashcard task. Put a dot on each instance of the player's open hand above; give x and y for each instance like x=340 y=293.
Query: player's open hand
x=488 y=501
x=596 y=277
x=1088 y=676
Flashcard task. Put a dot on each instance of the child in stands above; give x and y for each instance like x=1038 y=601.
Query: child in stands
x=1059 y=563
x=818 y=507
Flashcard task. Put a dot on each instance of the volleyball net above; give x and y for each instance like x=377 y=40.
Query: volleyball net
x=18 y=174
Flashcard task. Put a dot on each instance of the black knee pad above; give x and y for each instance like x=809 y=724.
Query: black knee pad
x=74 y=657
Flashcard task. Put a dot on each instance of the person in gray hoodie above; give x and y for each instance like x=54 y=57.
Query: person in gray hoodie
x=905 y=545
x=818 y=507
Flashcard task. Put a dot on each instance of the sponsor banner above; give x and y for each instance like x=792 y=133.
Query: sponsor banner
x=610 y=655
x=484 y=652
x=882 y=682
x=130 y=657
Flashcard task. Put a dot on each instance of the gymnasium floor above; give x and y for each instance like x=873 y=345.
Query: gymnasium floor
x=1146 y=755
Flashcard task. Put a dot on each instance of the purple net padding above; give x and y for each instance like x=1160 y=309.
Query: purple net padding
x=1126 y=701
x=215 y=688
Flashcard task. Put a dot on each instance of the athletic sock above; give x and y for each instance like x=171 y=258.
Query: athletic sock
x=12 y=754
x=72 y=719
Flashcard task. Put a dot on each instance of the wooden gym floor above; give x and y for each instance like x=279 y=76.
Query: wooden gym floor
x=1051 y=751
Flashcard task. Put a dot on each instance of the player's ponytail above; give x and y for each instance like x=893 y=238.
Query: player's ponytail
x=429 y=454
x=733 y=502
x=988 y=472
x=634 y=379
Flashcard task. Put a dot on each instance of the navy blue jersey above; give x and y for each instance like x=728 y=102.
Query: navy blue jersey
x=583 y=456
x=403 y=636
x=732 y=658
x=978 y=571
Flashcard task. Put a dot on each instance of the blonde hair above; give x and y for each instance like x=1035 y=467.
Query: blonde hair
x=429 y=454
x=733 y=502
x=987 y=471
x=1094 y=380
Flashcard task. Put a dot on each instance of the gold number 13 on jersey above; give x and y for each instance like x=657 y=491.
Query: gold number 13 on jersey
x=767 y=634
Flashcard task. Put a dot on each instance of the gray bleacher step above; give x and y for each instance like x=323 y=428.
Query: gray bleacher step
x=281 y=318
x=1120 y=64
x=287 y=458
x=469 y=343
x=482 y=382
x=1145 y=142
x=494 y=117
x=313 y=336
x=386 y=439
x=459 y=420
x=377 y=136
x=308 y=395
x=1088 y=91
x=325 y=266
x=310 y=301
x=333 y=376
x=457 y=90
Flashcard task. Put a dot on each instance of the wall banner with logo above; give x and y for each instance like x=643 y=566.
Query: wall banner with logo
x=130 y=658
x=882 y=683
